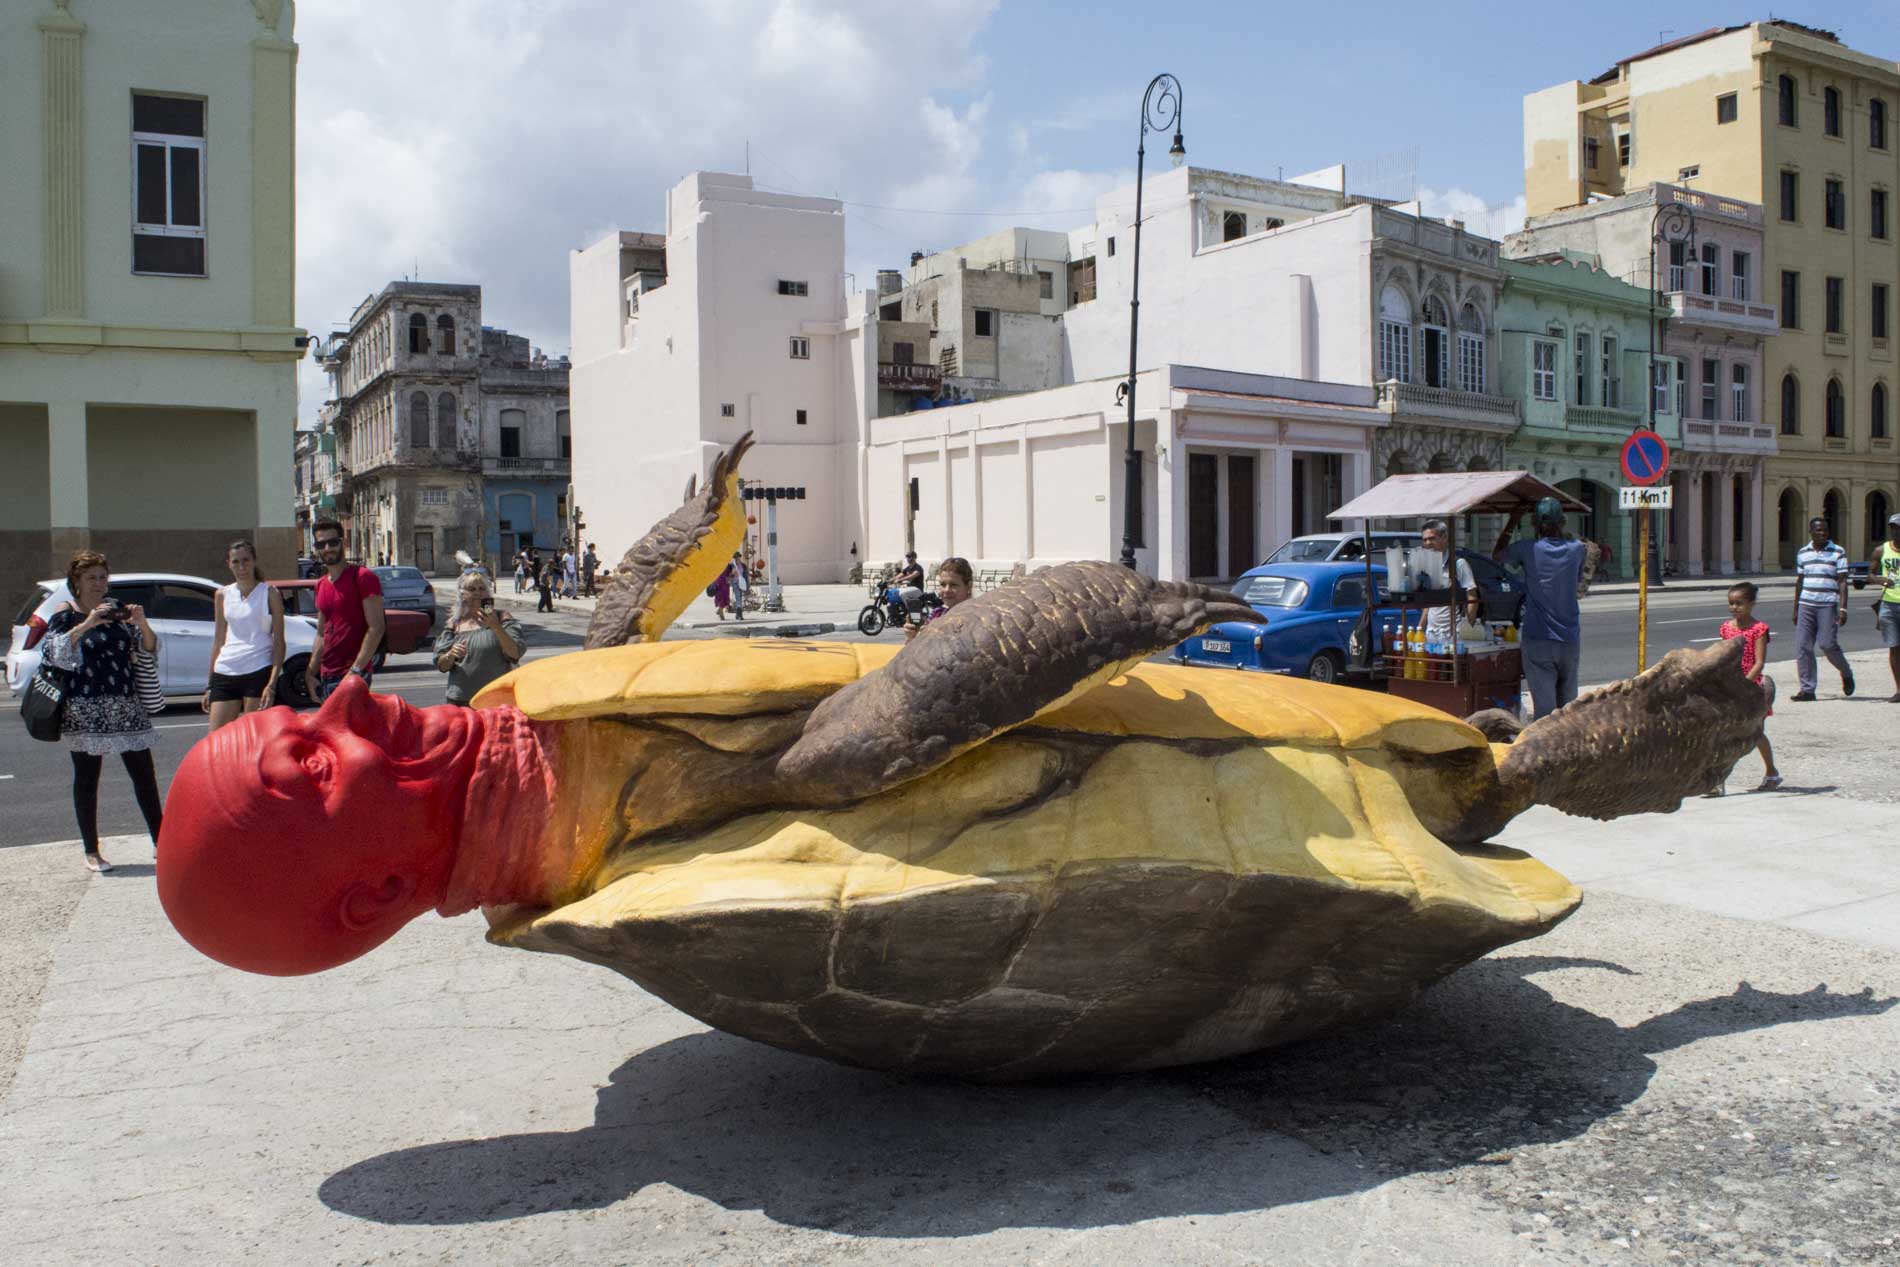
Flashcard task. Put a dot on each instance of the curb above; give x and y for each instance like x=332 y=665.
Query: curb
x=782 y=631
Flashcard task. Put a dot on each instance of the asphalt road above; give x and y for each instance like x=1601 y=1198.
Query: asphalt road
x=36 y=778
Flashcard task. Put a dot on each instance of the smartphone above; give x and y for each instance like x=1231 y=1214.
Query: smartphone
x=488 y=604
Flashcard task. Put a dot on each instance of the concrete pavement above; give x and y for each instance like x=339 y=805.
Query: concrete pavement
x=1700 y=1066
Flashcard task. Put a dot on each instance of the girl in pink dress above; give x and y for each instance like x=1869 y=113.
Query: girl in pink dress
x=1754 y=635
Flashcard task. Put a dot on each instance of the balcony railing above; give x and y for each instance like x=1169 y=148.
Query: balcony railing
x=905 y=376
x=1448 y=404
x=1743 y=437
x=1598 y=418
x=1733 y=314
x=527 y=466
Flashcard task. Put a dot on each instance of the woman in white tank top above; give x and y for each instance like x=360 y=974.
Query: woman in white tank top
x=247 y=651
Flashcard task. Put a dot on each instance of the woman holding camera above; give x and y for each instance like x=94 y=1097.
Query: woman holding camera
x=479 y=644
x=247 y=645
x=93 y=638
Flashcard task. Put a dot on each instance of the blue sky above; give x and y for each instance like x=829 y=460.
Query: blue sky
x=482 y=141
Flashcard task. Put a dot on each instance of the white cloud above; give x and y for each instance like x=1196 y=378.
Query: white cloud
x=1479 y=216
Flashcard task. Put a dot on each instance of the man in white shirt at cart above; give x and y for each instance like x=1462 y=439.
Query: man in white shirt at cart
x=1438 y=620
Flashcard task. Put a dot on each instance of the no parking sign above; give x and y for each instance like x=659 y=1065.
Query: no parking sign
x=1645 y=457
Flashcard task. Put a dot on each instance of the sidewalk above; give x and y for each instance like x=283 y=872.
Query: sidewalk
x=805 y=606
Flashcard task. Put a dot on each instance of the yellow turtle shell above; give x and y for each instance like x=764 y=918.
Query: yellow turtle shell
x=1178 y=865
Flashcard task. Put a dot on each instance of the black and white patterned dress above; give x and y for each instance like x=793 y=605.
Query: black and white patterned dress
x=103 y=713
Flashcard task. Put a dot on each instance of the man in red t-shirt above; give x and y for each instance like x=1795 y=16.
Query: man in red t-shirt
x=349 y=617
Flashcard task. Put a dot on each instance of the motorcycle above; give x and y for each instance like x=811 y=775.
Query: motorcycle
x=887 y=609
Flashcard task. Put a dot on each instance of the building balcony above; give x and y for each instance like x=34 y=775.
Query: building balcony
x=526 y=467
x=1707 y=436
x=909 y=377
x=1447 y=406
x=1738 y=315
x=1601 y=420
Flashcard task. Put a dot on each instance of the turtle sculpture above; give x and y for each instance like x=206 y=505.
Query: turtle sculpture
x=1011 y=848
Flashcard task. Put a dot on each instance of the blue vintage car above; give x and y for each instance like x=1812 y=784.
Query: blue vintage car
x=1307 y=613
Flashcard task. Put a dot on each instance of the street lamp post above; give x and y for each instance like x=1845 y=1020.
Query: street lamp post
x=1672 y=224
x=1160 y=110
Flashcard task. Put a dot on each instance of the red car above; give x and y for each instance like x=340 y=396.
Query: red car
x=403 y=631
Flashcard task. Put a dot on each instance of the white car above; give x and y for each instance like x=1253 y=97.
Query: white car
x=180 y=611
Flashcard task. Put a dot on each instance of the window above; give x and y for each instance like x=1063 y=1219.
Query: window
x=1659 y=386
x=1233 y=225
x=1877 y=412
x=728 y=411
x=1711 y=257
x=418 y=332
x=1738 y=275
x=1877 y=314
x=564 y=432
x=1790 y=406
x=1790 y=300
x=419 y=420
x=1836 y=409
x=1622 y=149
x=1047 y=283
x=1435 y=343
x=1791 y=195
x=1711 y=377
x=1612 y=377
x=1877 y=123
x=168 y=186
x=435 y=497
x=1688 y=173
x=1544 y=370
x=513 y=422
x=445 y=334
x=1395 y=336
x=1725 y=108
x=445 y=421
x=801 y=417
x=1580 y=394
x=801 y=348
x=1834 y=205
x=1111 y=247
x=1082 y=280
x=793 y=288
x=1470 y=349
x=1591 y=146
x=1831 y=111
x=1877 y=214
x=985 y=323
x=1784 y=101
x=1678 y=265
x=1738 y=392
x=903 y=353
x=1682 y=395
x=1834 y=323
x=182 y=602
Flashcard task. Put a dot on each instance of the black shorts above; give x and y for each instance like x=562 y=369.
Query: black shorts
x=228 y=687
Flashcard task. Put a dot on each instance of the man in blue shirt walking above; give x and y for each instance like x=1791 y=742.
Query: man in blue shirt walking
x=1557 y=571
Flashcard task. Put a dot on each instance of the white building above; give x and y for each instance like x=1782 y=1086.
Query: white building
x=1296 y=345
x=747 y=331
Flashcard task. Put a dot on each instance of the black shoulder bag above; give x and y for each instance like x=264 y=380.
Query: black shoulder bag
x=44 y=704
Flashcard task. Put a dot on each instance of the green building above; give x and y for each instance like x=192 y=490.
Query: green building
x=1574 y=349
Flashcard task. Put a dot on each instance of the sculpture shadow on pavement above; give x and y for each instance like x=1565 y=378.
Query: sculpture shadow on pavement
x=1485 y=1063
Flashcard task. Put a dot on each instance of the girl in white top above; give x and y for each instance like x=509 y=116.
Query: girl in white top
x=247 y=650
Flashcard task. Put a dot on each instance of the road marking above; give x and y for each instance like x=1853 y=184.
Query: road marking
x=1692 y=641
x=8 y=776
x=182 y=725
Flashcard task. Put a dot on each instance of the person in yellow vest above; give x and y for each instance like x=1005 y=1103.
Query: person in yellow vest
x=1887 y=570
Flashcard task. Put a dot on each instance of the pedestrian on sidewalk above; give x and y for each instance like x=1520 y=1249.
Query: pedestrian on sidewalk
x=521 y=571
x=1821 y=575
x=567 y=573
x=247 y=640
x=741 y=585
x=1754 y=635
x=1886 y=570
x=590 y=562
x=349 y=617
x=720 y=591
x=478 y=644
x=1557 y=572
x=93 y=638
x=544 y=583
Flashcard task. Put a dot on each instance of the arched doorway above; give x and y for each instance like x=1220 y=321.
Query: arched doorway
x=1400 y=463
x=1441 y=462
x=1878 y=508
x=1834 y=510
x=1790 y=526
x=1589 y=524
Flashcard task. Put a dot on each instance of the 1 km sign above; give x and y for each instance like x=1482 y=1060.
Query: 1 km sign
x=1645 y=458
x=1645 y=498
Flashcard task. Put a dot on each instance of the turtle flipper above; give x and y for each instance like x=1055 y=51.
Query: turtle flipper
x=680 y=556
x=992 y=664
x=1640 y=746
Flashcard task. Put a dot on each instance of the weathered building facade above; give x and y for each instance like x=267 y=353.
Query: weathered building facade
x=427 y=404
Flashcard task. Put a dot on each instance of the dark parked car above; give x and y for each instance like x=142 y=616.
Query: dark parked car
x=407 y=589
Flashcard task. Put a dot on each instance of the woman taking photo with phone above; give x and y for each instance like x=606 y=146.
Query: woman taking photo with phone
x=479 y=644
x=247 y=649
x=93 y=638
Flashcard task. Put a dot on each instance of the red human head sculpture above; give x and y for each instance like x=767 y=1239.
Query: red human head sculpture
x=296 y=842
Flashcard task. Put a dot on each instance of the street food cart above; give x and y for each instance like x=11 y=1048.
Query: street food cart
x=1463 y=677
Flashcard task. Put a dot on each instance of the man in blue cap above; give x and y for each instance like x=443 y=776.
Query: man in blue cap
x=1557 y=570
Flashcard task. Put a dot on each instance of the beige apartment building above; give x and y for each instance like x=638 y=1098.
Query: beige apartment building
x=1786 y=116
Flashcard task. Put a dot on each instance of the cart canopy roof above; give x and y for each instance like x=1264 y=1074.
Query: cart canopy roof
x=1453 y=493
